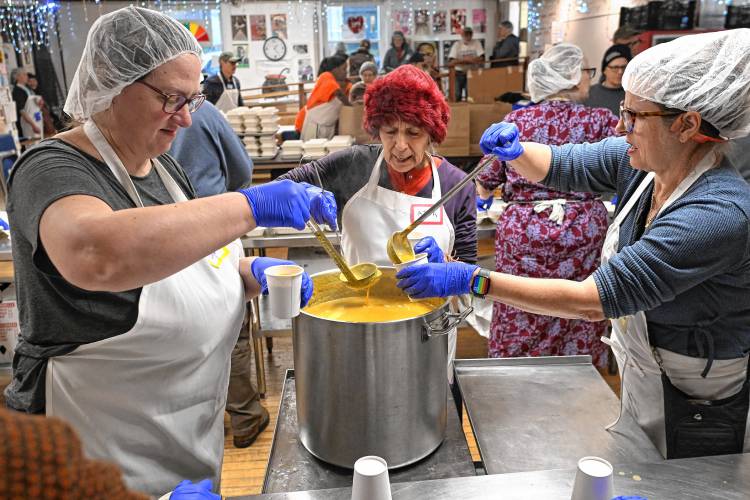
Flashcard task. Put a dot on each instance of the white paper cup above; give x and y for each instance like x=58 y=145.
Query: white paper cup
x=593 y=480
x=414 y=237
x=284 y=290
x=419 y=260
x=371 y=481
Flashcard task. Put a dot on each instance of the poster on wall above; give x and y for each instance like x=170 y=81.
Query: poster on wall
x=356 y=26
x=304 y=70
x=278 y=25
x=479 y=20
x=258 y=28
x=447 y=44
x=402 y=21
x=300 y=49
x=239 y=28
x=422 y=22
x=438 y=22
x=458 y=21
x=241 y=52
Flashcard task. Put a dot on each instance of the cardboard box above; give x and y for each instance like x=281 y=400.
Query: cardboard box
x=350 y=123
x=486 y=84
x=482 y=116
x=456 y=141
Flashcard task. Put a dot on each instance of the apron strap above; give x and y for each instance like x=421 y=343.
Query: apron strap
x=633 y=199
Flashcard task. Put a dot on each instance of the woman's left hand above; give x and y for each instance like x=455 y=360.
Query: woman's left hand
x=436 y=280
x=187 y=490
x=322 y=205
x=429 y=246
x=258 y=269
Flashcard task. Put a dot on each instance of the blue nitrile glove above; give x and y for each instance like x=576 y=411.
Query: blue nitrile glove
x=186 y=490
x=436 y=280
x=279 y=204
x=629 y=497
x=429 y=246
x=258 y=269
x=484 y=203
x=501 y=140
x=322 y=205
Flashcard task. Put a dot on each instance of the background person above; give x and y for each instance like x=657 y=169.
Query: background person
x=361 y=56
x=131 y=292
x=608 y=93
x=544 y=232
x=675 y=273
x=319 y=117
x=28 y=111
x=465 y=54
x=628 y=36
x=368 y=72
x=223 y=89
x=506 y=47
x=397 y=54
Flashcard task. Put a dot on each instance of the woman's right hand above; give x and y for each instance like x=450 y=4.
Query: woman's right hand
x=501 y=140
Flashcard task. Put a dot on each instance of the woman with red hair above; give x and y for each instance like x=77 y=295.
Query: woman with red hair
x=382 y=188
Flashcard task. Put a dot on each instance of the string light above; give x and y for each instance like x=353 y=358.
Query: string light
x=534 y=18
x=28 y=25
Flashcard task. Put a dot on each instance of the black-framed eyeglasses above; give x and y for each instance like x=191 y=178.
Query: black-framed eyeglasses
x=590 y=71
x=619 y=67
x=173 y=103
x=628 y=116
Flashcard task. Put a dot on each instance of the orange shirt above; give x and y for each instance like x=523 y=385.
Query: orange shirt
x=325 y=89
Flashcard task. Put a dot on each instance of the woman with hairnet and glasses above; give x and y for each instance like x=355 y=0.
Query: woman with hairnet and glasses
x=543 y=232
x=131 y=292
x=675 y=273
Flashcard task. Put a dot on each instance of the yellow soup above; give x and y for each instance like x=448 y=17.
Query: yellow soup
x=370 y=310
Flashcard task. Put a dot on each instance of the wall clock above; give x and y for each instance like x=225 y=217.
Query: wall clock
x=274 y=48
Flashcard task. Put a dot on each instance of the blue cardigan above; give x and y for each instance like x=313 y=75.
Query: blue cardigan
x=690 y=272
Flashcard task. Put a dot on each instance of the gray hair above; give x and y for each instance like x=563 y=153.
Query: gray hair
x=507 y=25
x=368 y=66
x=14 y=74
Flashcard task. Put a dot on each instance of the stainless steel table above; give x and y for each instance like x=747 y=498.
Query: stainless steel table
x=292 y=468
x=709 y=478
x=531 y=414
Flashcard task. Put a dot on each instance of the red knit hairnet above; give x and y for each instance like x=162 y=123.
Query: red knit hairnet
x=410 y=95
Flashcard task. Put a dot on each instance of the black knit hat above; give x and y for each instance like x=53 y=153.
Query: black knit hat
x=613 y=53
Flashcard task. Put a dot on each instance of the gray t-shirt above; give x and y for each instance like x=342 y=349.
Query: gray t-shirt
x=604 y=97
x=55 y=316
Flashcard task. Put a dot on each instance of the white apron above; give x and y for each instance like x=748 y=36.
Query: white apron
x=374 y=213
x=320 y=121
x=34 y=110
x=641 y=390
x=230 y=98
x=152 y=399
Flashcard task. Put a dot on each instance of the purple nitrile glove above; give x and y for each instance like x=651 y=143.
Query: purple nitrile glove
x=279 y=204
x=258 y=270
x=188 y=490
x=429 y=246
x=322 y=205
x=484 y=203
x=501 y=140
x=436 y=280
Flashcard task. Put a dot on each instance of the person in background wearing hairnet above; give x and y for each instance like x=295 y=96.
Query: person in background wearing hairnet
x=130 y=291
x=544 y=232
x=675 y=273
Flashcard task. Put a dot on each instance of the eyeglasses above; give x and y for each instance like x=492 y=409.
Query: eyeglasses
x=634 y=44
x=173 y=103
x=590 y=71
x=628 y=116
x=618 y=68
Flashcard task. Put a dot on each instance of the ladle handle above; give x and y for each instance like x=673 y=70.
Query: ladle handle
x=447 y=196
x=329 y=248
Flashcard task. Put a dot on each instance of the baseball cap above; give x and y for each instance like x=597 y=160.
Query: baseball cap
x=229 y=56
x=626 y=31
x=468 y=29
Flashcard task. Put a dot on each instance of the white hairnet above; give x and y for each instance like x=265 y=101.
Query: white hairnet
x=558 y=69
x=707 y=73
x=122 y=47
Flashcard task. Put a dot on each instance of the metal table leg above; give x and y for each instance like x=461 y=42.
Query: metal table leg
x=257 y=336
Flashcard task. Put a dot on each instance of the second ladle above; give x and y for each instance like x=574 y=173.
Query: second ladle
x=399 y=249
x=359 y=276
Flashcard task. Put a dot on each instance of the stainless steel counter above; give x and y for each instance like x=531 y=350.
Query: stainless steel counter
x=292 y=468
x=531 y=414
x=709 y=478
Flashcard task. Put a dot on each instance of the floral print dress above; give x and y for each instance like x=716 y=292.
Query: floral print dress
x=530 y=243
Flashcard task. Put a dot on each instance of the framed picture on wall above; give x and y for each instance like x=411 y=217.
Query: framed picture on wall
x=239 y=28
x=479 y=20
x=241 y=52
x=258 y=28
x=422 y=22
x=401 y=21
x=439 y=22
x=447 y=44
x=458 y=21
x=278 y=26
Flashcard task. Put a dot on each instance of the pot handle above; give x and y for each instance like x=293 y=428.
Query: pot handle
x=453 y=319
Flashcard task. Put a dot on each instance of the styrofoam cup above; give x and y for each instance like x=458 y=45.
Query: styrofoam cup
x=371 y=481
x=284 y=290
x=418 y=260
x=593 y=480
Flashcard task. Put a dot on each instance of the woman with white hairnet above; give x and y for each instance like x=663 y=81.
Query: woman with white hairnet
x=543 y=232
x=675 y=273
x=131 y=292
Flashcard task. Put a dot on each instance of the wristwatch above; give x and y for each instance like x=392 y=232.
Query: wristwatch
x=480 y=283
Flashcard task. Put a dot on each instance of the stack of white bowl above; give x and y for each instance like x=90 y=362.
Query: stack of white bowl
x=315 y=148
x=236 y=118
x=339 y=142
x=268 y=146
x=269 y=119
x=252 y=124
x=252 y=146
x=292 y=150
